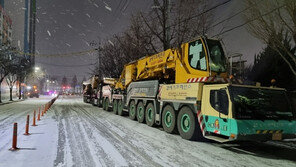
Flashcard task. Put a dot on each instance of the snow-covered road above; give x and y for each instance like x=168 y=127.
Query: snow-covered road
x=73 y=133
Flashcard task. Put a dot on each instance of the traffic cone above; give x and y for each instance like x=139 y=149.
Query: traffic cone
x=45 y=109
x=14 y=138
x=27 y=125
x=38 y=119
x=34 y=119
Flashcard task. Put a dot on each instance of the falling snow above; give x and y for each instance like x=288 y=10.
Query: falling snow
x=49 y=34
x=111 y=42
x=108 y=8
x=96 y=5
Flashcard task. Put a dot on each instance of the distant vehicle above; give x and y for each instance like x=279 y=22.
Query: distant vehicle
x=87 y=91
x=33 y=92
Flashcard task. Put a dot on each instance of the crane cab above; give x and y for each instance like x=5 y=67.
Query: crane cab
x=202 y=57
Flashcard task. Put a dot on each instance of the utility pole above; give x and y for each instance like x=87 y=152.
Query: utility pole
x=32 y=31
x=26 y=40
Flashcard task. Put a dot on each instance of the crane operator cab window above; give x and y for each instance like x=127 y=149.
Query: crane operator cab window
x=196 y=56
x=217 y=58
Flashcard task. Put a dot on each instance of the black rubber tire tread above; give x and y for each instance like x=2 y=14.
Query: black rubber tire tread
x=120 y=110
x=99 y=103
x=104 y=104
x=107 y=104
x=132 y=116
x=141 y=120
x=173 y=128
x=152 y=122
x=194 y=130
x=115 y=107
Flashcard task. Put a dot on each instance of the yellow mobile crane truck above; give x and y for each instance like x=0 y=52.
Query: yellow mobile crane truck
x=187 y=91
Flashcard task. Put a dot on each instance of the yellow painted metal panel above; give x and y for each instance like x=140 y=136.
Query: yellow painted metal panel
x=130 y=73
x=186 y=91
x=207 y=109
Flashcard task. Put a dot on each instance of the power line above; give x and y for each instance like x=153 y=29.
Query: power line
x=199 y=14
x=58 y=55
x=94 y=50
x=206 y=11
x=60 y=65
x=241 y=25
x=232 y=16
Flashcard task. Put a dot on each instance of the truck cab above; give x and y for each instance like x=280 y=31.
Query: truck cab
x=239 y=112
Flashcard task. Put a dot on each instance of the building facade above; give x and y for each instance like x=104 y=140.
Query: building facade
x=5 y=28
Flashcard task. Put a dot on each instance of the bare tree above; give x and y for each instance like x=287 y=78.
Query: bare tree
x=272 y=21
x=4 y=66
x=11 y=79
x=171 y=24
x=166 y=25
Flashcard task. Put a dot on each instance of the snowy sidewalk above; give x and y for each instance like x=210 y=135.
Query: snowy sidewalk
x=38 y=149
x=9 y=102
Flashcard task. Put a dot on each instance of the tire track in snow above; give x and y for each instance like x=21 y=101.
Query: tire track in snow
x=134 y=140
x=79 y=149
x=207 y=155
x=187 y=153
x=117 y=139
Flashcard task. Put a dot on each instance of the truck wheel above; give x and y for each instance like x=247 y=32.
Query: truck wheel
x=107 y=104
x=168 y=119
x=132 y=110
x=100 y=102
x=115 y=102
x=187 y=124
x=120 y=108
x=104 y=103
x=150 y=115
x=140 y=112
x=97 y=104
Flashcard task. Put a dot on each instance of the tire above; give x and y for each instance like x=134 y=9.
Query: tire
x=120 y=108
x=100 y=102
x=97 y=103
x=140 y=112
x=132 y=110
x=107 y=104
x=115 y=107
x=150 y=115
x=187 y=124
x=168 y=119
x=104 y=104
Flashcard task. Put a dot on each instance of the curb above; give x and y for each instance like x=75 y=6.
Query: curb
x=9 y=102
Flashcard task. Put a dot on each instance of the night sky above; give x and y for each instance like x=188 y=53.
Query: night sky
x=65 y=26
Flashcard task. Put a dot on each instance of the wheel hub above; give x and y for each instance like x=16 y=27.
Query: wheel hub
x=140 y=112
x=185 y=122
x=150 y=114
x=168 y=119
